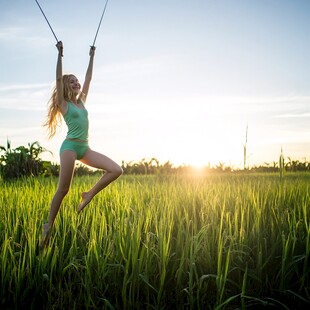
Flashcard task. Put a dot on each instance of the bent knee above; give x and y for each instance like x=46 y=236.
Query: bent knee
x=116 y=172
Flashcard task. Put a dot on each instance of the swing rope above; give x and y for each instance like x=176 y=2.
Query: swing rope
x=100 y=23
x=47 y=21
x=92 y=46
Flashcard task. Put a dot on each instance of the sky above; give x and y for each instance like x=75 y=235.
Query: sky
x=178 y=80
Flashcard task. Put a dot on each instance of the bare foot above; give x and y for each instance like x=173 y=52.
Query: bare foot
x=46 y=235
x=86 y=198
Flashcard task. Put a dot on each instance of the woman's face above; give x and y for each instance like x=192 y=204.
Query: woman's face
x=75 y=86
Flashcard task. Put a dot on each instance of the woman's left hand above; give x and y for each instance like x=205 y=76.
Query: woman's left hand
x=92 y=51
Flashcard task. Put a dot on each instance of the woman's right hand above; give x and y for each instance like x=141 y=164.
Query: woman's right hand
x=92 y=51
x=59 y=47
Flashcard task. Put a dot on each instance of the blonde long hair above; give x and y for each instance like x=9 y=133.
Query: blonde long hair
x=54 y=117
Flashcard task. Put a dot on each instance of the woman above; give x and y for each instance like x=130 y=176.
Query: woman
x=67 y=101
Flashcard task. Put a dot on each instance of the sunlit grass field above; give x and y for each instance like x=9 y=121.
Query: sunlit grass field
x=230 y=241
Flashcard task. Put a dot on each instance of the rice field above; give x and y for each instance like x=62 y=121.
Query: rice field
x=230 y=241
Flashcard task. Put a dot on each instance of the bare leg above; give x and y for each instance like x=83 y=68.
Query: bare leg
x=99 y=161
x=67 y=161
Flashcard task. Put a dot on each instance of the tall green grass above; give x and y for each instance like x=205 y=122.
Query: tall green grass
x=155 y=242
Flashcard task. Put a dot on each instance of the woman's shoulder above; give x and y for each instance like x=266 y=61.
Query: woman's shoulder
x=81 y=101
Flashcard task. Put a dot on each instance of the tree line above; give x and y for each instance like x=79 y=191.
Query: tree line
x=25 y=161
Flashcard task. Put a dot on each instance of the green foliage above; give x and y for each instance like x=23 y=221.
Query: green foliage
x=82 y=170
x=223 y=241
x=25 y=161
x=49 y=169
x=145 y=167
x=21 y=161
x=153 y=166
x=281 y=165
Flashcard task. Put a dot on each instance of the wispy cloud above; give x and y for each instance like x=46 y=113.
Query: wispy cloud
x=24 y=96
x=11 y=33
x=19 y=35
x=17 y=87
x=143 y=67
x=20 y=131
x=294 y=115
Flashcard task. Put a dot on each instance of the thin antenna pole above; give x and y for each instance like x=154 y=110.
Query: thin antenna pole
x=244 y=148
x=47 y=21
x=100 y=23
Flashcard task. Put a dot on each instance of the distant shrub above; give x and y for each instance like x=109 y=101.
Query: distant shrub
x=21 y=161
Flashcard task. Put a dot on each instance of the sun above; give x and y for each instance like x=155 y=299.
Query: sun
x=207 y=139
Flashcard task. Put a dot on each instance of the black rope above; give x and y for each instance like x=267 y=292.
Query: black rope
x=100 y=23
x=47 y=21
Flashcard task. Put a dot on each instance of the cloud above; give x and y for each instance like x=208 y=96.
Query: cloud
x=136 y=68
x=11 y=33
x=294 y=115
x=23 y=35
x=17 y=87
x=24 y=96
x=20 y=131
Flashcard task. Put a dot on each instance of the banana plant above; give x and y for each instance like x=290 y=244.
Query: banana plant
x=21 y=161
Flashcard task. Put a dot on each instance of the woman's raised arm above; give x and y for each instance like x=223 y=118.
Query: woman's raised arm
x=59 y=82
x=89 y=74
